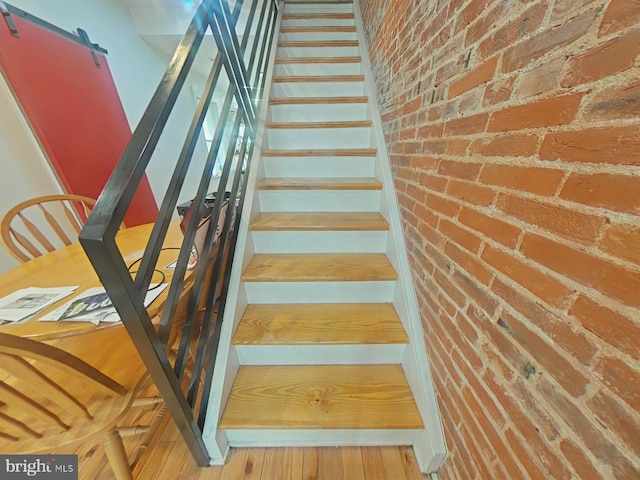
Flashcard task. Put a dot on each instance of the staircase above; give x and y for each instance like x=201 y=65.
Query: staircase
x=324 y=346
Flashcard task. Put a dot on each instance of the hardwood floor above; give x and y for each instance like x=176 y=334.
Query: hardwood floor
x=169 y=459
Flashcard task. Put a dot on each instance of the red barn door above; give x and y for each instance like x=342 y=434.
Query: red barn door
x=70 y=100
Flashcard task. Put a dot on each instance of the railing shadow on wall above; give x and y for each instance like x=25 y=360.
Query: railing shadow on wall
x=179 y=345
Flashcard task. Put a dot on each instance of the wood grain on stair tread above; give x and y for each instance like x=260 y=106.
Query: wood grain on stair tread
x=316 y=100
x=323 y=16
x=316 y=2
x=319 y=267
x=322 y=397
x=319 y=28
x=320 y=324
x=319 y=221
x=334 y=124
x=354 y=59
x=318 y=78
x=318 y=183
x=340 y=152
x=317 y=43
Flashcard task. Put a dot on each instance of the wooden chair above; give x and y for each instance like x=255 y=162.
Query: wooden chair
x=50 y=398
x=43 y=224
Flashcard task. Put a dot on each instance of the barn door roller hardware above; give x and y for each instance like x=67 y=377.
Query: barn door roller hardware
x=85 y=39
x=8 y=20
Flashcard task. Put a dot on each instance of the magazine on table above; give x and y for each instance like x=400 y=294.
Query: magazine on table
x=94 y=305
x=26 y=302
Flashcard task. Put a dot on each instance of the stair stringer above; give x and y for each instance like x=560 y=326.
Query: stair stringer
x=430 y=447
x=227 y=362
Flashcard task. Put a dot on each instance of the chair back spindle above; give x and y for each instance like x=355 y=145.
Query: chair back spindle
x=44 y=224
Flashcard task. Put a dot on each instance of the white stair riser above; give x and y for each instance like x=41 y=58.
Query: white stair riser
x=319 y=166
x=319 y=200
x=316 y=36
x=318 y=138
x=318 y=89
x=320 y=242
x=318 y=51
x=338 y=112
x=317 y=438
x=298 y=69
x=383 y=354
x=319 y=292
x=318 y=8
x=317 y=22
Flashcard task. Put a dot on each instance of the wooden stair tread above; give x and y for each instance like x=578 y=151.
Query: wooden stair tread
x=318 y=43
x=317 y=78
x=323 y=28
x=342 y=152
x=319 y=267
x=318 y=183
x=323 y=16
x=316 y=2
x=354 y=59
x=322 y=397
x=320 y=324
x=319 y=221
x=335 y=124
x=316 y=100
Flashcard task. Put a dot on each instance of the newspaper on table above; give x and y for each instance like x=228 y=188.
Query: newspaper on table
x=26 y=302
x=94 y=305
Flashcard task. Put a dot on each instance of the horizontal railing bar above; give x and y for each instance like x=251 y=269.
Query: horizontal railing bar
x=213 y=287
x=196 y=292
x=203 y=262
x=213 y=341
x=198 y=203
x=107 y=216
x=235 y=69
x=105 y=256
x=256 y=40
x=159 y=232
x=206 y=291
x=259 y=86
x=175 y=288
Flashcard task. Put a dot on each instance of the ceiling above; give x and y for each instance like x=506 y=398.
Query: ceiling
x=162 y=23
x=187 y=4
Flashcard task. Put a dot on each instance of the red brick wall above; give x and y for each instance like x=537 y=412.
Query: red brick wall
x=514 y=134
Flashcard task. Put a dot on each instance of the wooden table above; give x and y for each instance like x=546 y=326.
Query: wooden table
x=107 y=346
x=70 y=266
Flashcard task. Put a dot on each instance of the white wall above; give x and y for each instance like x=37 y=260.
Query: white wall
x=27 y=177
x=137 y=70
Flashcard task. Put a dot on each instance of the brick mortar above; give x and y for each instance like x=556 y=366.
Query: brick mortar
x=415 y=55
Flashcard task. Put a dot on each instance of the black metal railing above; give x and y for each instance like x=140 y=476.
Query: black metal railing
x=180 y=356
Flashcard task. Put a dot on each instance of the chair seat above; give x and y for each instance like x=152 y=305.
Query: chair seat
x=73 y=390
x=105 y=415
x=109 y=350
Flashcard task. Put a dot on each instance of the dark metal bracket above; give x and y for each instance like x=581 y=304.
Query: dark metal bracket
x=9 y=12
x=8 y=20
x=84 y=36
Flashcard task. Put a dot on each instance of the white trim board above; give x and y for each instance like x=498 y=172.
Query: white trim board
x=431 y=448
x=324 y=438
